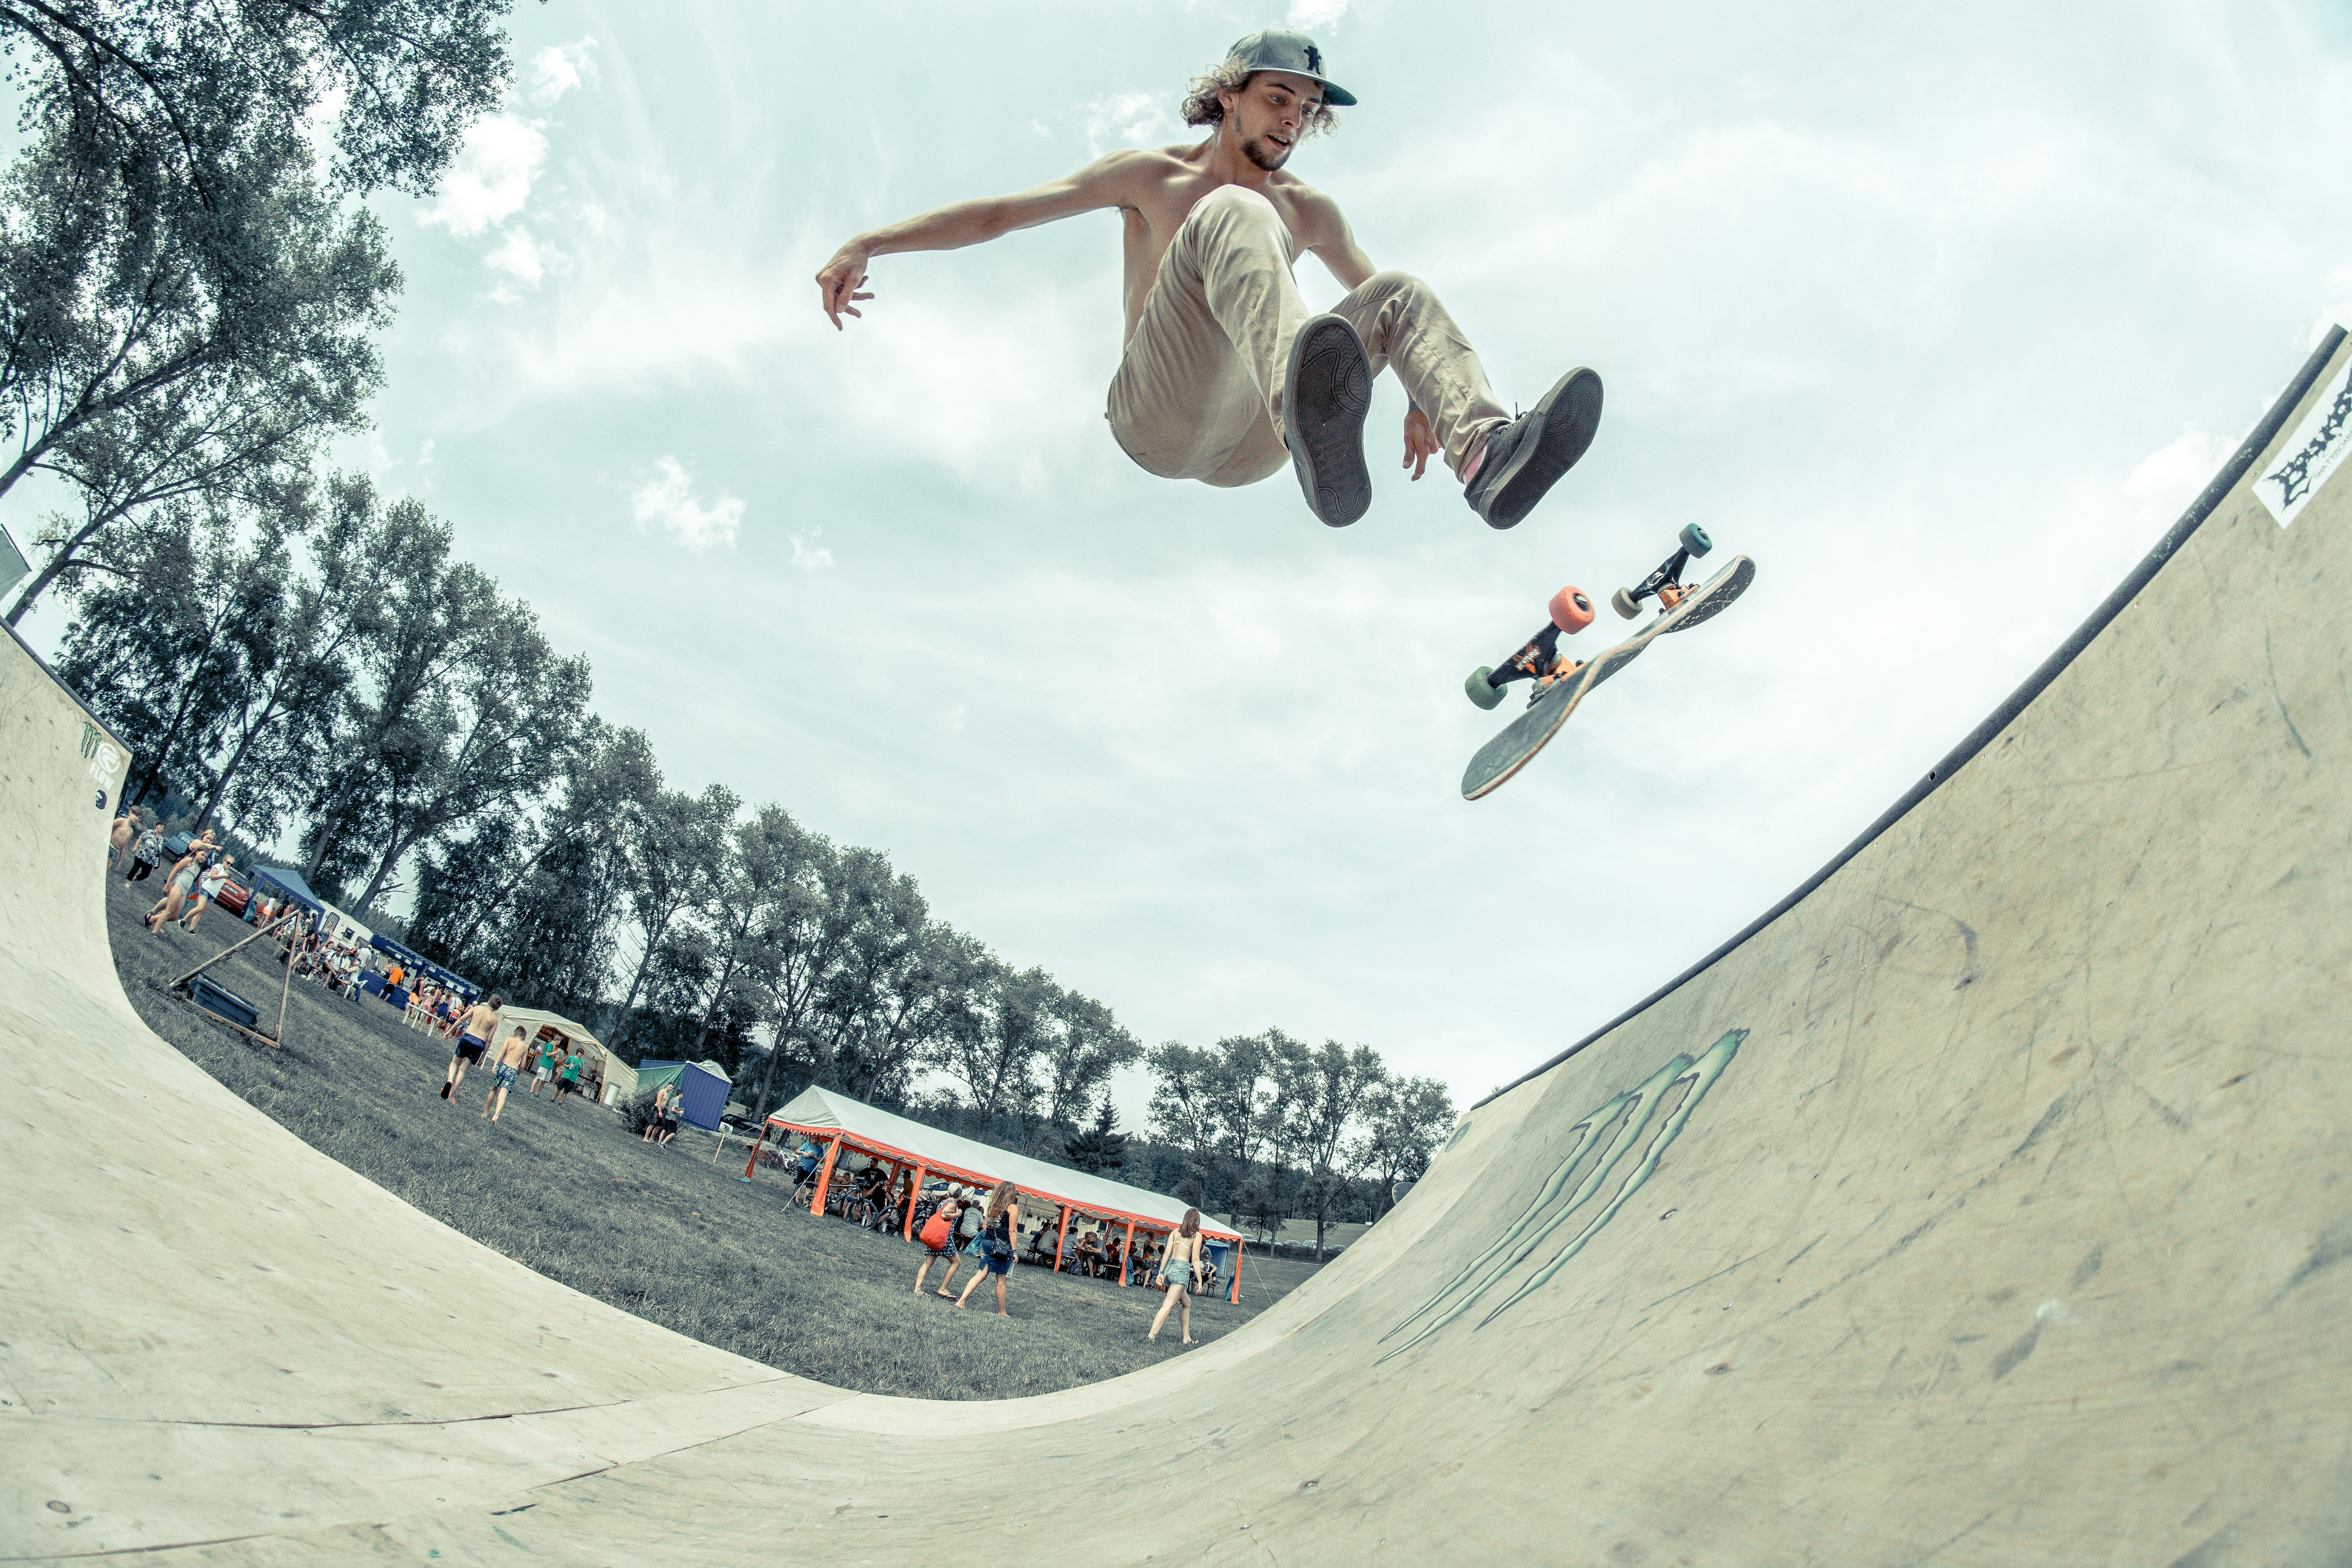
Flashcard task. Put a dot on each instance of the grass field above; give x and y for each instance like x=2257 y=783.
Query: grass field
x=661 y=1233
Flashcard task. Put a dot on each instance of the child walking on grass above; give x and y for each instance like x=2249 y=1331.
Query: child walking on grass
x=939 y=1238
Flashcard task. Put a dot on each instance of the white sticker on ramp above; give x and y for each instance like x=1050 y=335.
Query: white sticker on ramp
x=2314 y=452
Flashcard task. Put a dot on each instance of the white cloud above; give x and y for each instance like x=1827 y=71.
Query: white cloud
x=492 y=177
x=2337 y=311
x=1128 y=120
x=1310 y=14
x=807 y=554
x=2168 y=479
x=517 y=256
x=558 y=68
x=668 y=499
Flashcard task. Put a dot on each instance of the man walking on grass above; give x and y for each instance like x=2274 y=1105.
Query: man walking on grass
x=504 y=1070
x=480 y=1023
x=1225 y=378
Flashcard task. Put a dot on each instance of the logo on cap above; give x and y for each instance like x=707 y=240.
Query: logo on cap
x=1314 y=60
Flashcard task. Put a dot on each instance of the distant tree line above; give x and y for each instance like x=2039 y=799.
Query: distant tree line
x=190 y=294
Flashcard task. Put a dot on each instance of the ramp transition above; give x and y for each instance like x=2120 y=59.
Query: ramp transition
x=1988 y=1201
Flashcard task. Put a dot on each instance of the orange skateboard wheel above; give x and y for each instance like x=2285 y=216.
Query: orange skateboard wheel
x=1571 y=612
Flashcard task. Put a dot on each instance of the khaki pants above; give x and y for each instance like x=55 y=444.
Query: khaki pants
x=1199 y=392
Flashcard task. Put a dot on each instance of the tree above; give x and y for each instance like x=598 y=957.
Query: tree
x=1101 y=1147
x=992 y=1053
x=1183 y=1111
x=154 y=646
x=295 y=648
x=182 y=301
x=1404 y=1119
x=1324 y=1094
x=673 y=847
x=768 y=858
x=1084 y=1046
x=145 y=364
x=803 y=933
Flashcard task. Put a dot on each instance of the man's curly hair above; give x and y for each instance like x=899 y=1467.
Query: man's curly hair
x=1202 y=108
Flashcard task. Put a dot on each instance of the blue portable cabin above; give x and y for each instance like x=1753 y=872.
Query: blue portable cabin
x=703 y=1089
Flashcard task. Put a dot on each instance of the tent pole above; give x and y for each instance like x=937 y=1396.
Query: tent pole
x=907 y=1231
x=1127 y=1254
x=1061 y=1237
x=824 y=1177
x=285 y=985
x=757 y=1144
x=1241 y=1250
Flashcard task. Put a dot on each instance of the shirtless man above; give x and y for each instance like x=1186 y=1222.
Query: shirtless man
x=480 y=1023
x=1225 y=378
x=503 y=1072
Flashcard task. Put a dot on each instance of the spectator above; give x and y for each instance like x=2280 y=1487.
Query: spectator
x=653 y=1122
x=146 y=852
x=1042 y=1242
x=502 y=1074
x=176 y=888
x=671 y=1116
x=1177 y=1264
x=1090 y=1253
x=869 y=1187
x=209 y=887
x=118 y=841
x=939 y=1238
x=1114 y=1255
x=997 y=1230
x=482 y=1023
x=567 y=1080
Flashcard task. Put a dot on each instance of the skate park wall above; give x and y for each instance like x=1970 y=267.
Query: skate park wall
x=1986 y=1202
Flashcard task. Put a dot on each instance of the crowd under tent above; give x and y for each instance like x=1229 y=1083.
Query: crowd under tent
x=604 y=1077
x=839 y=1124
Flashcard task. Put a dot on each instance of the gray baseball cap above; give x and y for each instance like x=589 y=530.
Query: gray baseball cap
x=1296 y=54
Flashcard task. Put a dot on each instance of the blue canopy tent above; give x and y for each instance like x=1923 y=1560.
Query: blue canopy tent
x=703 y=1093
x=281 y=883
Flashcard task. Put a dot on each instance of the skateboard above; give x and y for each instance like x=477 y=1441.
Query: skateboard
x=1561 y=683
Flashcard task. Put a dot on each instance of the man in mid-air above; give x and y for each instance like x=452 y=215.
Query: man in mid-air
x=1225 y=376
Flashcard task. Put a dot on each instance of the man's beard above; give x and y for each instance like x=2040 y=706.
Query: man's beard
x=1269 y=159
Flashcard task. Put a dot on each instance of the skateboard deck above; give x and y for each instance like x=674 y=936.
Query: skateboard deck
x=1525 y=736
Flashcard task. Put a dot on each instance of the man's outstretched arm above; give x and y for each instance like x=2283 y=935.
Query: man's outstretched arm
x=1101 y=183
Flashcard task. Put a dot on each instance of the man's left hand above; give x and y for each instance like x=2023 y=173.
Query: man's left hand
x=1420 y=441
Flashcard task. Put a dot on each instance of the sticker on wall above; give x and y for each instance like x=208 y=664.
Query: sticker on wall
x=1628 y=1127
x=2315 y=451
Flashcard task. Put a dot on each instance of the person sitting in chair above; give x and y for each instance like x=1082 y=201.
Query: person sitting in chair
x=1090 y=1254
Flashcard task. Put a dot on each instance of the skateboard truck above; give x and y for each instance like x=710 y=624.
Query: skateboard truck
x=1539 y=659
x=1666 y=582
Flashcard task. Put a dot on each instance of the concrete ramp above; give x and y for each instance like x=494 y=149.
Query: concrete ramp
x=1990 y=1202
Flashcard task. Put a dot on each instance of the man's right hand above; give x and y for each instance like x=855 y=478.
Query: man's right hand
x=838 y=283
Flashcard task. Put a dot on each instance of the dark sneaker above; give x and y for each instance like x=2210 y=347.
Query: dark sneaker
x=1526 y=457
x=1325 y=396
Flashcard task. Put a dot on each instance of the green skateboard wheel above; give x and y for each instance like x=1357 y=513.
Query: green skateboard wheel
x=1478 y=692
x=1694 y=539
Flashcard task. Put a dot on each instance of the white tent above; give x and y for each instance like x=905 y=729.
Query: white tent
x=617 y=1077
x=870 y=1131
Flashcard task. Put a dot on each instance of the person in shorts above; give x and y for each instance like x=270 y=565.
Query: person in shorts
x=997 y=1229
x=567 y=1081
x=939 y=1238
x=504 y=1070
x=482 y=1021
x=542 y=1067
x=208 y=886
x=1174 y=1280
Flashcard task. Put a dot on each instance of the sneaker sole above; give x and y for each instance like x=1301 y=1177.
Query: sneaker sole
x=1570 y=417
x=1326 y=396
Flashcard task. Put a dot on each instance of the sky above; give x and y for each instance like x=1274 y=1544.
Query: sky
x=1940 y=313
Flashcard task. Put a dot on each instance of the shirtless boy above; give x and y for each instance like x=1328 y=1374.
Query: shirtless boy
x=481 y=1021
x=1225 y=378
x=504 y=1070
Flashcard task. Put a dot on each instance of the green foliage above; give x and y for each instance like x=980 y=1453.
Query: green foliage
x=1100 y=1148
